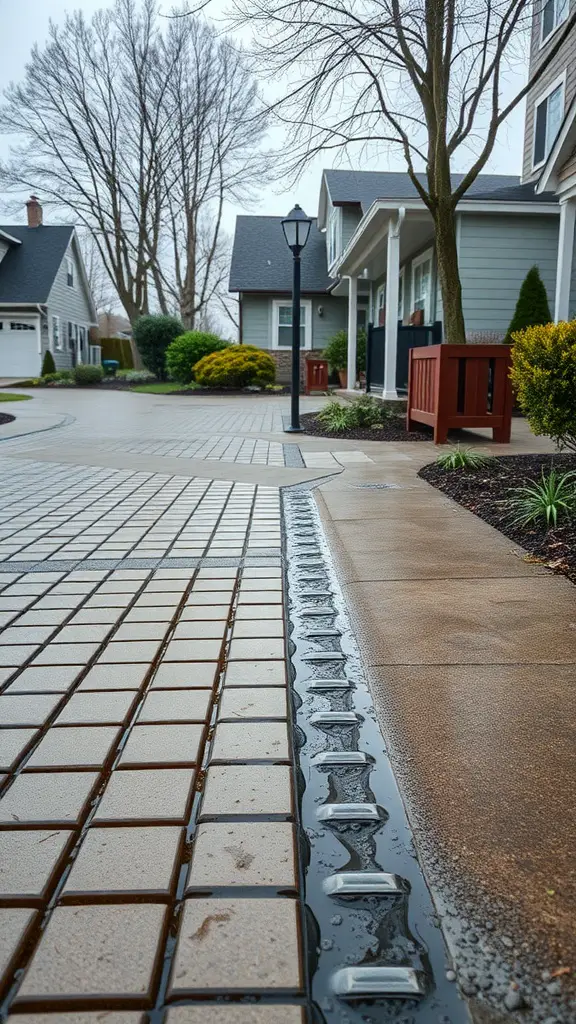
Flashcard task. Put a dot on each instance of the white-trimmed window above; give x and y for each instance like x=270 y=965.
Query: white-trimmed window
x=422 y=284
x=334 y=234
x=548 y=116
x=22 y=325
x=553 y=13
x=69 y=271
x=380 y=311
x=82 y=341
x=282 y=324
x=56 y=336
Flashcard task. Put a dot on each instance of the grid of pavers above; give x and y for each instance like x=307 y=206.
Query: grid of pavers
x=248 y=450
x=50 y=512
x=146 y=815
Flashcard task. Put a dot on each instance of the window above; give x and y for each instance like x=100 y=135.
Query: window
x=381 y=306
x=56 y=338
x=69 y=272
x=548 y=115
x=18 y=325
x=82 y=338
x=334 y=235
x=72 y=335
x=554 y=12
x=422 y=284
x=283 y=325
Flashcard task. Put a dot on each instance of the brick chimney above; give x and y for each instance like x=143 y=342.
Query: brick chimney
x=34 y=211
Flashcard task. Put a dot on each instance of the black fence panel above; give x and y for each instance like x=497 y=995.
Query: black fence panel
x=413 y=337
x=375 y=357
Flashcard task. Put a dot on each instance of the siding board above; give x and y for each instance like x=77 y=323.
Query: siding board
x=257 y=318
x=68 y=303
x=490 y=285
x=564 y=59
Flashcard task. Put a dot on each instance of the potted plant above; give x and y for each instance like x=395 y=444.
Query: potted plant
x=336 y=352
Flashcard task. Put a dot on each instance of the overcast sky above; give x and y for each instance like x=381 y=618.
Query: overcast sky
x=23 y=22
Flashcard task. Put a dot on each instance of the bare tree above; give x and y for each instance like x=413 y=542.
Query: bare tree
x=88 y=115
x=216 y=157
x=103 y=291
x=425 y=76
x=142 y=129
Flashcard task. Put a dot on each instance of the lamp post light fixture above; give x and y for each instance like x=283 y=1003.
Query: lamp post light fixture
x=296 y=227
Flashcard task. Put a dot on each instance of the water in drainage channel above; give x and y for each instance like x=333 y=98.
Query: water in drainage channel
x=375 y=949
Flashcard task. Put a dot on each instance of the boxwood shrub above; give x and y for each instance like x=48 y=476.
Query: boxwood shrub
x=544 y=378
x=238 y=366
x=188 y=349
x=86 y=374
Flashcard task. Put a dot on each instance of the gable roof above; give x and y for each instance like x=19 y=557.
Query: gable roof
x=262 y=262
x=365 y=187
x=27 y=271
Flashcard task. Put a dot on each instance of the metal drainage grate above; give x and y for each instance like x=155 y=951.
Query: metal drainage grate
x=374 y=950
x=376 y=487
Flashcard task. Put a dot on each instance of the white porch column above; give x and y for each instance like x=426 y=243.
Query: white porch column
x=564 y=265
x=392 y=290
x=352 y=329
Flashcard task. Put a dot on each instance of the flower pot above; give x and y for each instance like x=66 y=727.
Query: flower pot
x=343 y=376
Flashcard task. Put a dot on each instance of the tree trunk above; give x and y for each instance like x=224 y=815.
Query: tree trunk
x=449 y=274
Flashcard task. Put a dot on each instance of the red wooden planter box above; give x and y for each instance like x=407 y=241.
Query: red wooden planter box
x=453 y=386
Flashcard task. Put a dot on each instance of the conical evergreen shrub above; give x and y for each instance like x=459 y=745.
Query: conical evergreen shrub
x=532 y=307
x=48 y=364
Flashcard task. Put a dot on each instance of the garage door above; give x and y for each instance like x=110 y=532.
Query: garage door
x=19 y=356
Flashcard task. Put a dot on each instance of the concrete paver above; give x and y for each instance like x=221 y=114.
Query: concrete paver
x=95 y=950
x=100 y=639
x=212 y=952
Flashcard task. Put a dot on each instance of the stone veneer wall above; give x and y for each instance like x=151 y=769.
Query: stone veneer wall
x=283 y=360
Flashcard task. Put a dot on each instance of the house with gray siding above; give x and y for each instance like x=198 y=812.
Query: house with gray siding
x=261 y=273
x=377 y=261
x=45 y=299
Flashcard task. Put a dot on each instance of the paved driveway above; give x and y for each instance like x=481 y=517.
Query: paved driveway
x=147 y=813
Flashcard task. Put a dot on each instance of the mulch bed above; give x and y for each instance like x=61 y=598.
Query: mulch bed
x=5 y=417
x=484 y=491
x=393 y=430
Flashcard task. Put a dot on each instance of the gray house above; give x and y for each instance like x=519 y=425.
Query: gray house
x=261 y=272
x=45 y=300
x=378 y=261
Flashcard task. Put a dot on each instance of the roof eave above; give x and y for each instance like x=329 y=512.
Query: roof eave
x=10 y=238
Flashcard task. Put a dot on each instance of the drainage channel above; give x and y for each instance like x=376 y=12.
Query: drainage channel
x=375 y=949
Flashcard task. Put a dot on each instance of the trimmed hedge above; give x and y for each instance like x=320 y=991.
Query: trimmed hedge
x=544 y=377
x=119 y=349
x=238 y=366
x=86 y=374
x=188 y=349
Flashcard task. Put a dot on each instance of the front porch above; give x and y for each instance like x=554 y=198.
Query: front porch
x=390 y=259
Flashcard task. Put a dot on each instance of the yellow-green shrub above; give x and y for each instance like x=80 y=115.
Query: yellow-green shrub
x=236 y=367
x=544 y=377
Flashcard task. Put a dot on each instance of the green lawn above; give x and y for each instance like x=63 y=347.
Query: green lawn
x=7 y=396
x=157 y=389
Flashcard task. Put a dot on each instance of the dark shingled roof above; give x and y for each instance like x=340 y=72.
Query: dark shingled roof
x=365 y=187
x=27 y=271
x=262 y=262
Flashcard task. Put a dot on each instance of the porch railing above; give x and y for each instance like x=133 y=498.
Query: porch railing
x=408 y=337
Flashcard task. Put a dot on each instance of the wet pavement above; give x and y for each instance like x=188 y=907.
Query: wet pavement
x=200 y=713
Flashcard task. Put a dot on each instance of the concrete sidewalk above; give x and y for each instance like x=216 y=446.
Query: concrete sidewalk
x=471 y=651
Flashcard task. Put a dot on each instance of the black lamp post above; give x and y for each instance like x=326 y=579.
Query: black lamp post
x=296 y=228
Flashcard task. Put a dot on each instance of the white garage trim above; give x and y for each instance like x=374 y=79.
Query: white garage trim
x=20 y=345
